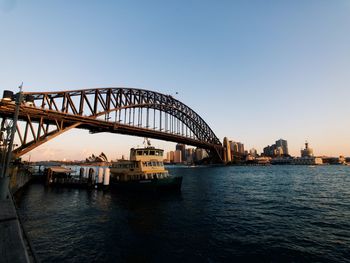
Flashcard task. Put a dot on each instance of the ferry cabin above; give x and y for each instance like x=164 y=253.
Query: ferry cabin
x=144 y=164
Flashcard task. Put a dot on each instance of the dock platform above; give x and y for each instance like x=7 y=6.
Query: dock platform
x=13 y=247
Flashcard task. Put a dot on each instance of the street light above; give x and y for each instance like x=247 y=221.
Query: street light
x=8 y=96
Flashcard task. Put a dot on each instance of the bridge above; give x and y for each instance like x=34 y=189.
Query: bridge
x=44 y=115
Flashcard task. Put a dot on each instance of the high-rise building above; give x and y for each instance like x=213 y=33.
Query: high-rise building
x=177 y=156
x=284 y=145
x=234 y=146
x=278 y=151
x=227 y=150
x=171 y=156
x=189 y=155
x=280 y=148
x=200 y=154
x=240 y=147
x=182 y=148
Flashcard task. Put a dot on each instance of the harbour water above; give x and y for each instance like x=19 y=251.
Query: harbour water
x=223 y=214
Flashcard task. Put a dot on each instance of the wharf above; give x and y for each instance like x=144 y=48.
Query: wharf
x=13 y=246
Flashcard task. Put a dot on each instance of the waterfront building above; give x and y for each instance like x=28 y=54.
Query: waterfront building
x=307 y=152
x=308 y=160
x=269 y=150
x=253 y=152
x=307 y=157
x=281 y=160
x=334 y=160
x=278 y=151
x=263 y=160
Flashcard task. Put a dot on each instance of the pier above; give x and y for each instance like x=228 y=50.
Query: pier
x=14 y=246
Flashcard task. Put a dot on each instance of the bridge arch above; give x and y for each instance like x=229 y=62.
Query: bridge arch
x=120 y=110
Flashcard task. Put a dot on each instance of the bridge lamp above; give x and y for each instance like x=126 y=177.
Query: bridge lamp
x=8 y=95
x=29 y=100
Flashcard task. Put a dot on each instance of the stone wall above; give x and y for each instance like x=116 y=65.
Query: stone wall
x=19 y=177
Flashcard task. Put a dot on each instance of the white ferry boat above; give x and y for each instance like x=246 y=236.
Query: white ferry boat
x=144 y=171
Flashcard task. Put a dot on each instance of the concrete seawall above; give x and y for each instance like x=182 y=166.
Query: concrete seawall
x=13 y=246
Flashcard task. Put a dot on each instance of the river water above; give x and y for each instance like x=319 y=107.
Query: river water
x=223 y=214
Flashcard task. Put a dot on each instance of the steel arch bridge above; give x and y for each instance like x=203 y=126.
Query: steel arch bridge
x=128 y=111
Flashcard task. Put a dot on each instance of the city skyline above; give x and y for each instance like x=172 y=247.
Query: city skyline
x=254 y=71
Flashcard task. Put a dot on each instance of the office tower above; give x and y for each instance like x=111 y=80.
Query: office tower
x=182 y=148
x=284 y=145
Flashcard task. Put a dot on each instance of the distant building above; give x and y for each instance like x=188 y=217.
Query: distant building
x=177 y=156
x=307 y=152
x=234 y=146
x=253 y=152
x=280 y=148
x=312 y=160
x=200 y=154
x=189 y=155
x=284 y=145
x=240 y=148
x=227 y=150
x=171 y=156
x=307 y=157
x=182 y=148
x=278 y=151
x=269 y=150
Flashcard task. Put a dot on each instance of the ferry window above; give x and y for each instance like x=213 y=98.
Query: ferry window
x=149 y=163
x=154 y=163
x=151 y=153
x=139 y=153
x=145 y=152
x=160 y=153
x=144 y=163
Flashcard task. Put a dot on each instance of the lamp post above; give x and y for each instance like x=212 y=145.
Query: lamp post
x=4 y=180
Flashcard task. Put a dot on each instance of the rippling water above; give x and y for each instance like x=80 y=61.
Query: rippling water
x=223 y=214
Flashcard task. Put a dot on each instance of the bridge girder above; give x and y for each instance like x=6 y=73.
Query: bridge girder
x=172 y=120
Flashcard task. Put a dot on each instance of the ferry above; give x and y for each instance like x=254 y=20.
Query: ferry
x=144 y=171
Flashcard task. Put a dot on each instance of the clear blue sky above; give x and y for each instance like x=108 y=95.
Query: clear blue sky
x=256 y=71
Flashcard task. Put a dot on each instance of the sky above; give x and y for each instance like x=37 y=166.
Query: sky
x=255 y=71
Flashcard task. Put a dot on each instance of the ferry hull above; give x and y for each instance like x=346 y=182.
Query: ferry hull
x=163 y=185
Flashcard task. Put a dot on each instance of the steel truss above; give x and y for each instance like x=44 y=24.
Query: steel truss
x=119 y=110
